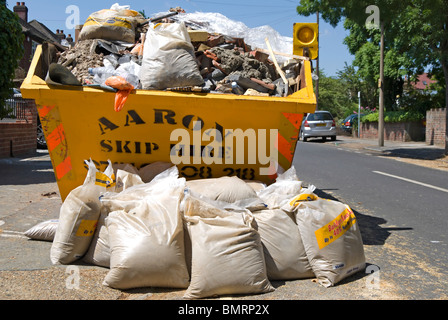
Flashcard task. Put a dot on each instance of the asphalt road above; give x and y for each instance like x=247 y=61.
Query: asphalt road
x=402 y=210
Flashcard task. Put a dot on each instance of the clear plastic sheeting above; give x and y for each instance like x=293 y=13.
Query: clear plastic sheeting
x=217 y=23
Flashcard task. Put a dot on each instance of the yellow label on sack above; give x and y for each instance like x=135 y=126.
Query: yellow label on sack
x=111 y=21
x=86 y=228
x=105 y=181
x=303 y=197
x=336 y=228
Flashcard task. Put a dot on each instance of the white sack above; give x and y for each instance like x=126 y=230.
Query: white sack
x=227 y=255
x=285 y=186
x=257 y=186
x=227 y=189
x=284 y=252
x=332 y=239
x=147 y=240
x=99 y=250
x=43 y=231
x=126 y=179
x=79 y=215
x=168 y=58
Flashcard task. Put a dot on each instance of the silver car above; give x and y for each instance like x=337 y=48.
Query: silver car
x=318 y=124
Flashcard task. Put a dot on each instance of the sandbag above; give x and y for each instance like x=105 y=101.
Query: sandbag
x=43 y=231
x=285 y=186
x=147 y=240
x=79 y=216
x=227 y=255
x=115 y=24
x=99 y=251
x=227 y=189
x=332 y=239
x=126 y=180
x=168 y=58
x=257 y=186
x=284 y=252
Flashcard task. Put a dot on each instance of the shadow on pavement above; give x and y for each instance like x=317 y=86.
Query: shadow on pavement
x=21 y=171
x=416 y=153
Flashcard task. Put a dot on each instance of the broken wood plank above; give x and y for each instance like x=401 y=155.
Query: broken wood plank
x=292 y=56
x=279 y=70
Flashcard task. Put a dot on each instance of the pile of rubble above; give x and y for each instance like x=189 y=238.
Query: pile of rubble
x=80 y=58
x=226 y=64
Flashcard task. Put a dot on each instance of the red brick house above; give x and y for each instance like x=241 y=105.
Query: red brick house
x=18 y=133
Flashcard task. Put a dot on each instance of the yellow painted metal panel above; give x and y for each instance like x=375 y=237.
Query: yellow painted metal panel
x=214 y=134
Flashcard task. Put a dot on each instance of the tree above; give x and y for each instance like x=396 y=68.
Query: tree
x=335 y=96
x=414 y=29
x=354 y=83
x=11 y=47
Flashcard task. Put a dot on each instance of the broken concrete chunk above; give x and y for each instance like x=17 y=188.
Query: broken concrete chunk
x=214 y=40
x=259 y=55
x=230 y=60
x=252 y=92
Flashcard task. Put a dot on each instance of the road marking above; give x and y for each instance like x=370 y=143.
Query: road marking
x=412 y=181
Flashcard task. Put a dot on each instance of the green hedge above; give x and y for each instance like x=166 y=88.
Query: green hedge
x=394 y=116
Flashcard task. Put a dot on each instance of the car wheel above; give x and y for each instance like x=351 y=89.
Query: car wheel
x=41 y=142
x=333 y=138
x=301 y=136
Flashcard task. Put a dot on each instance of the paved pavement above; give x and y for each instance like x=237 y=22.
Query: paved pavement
x=418 y=153
x=29 y=194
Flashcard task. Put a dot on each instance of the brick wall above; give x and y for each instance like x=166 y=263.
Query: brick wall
x=394 y=131
x=19 y=137
x=436 y=126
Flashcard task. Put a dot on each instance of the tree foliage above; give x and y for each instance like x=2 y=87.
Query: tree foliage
x=416 y=38
x=335 y=96
x=11 y=48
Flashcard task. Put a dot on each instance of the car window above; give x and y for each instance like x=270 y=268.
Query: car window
x=319 y=116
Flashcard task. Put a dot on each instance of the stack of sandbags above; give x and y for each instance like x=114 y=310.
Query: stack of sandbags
x=217 y=236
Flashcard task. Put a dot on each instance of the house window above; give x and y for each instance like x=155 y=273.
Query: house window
x=34 y=45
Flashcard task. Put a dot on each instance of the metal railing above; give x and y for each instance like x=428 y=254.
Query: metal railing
x=15 y=109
